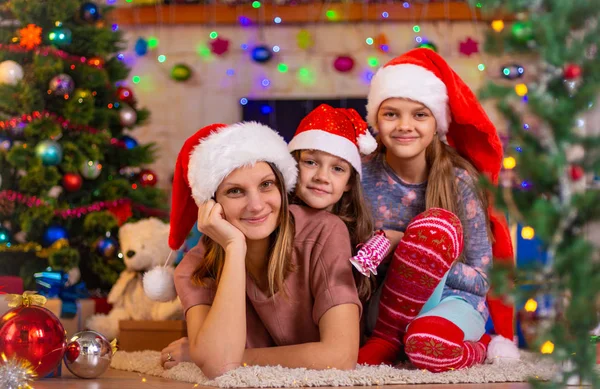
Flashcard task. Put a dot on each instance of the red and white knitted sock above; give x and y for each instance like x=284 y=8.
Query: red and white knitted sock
x=437 y=344
x=431 y=243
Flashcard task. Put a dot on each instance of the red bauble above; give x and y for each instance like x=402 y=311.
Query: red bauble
x=572 y=71
x=72 y=351
x=148 y=178
x=125 y=94
x=343 y=63
x=35 y=334
x=576 y=172
x=72 y=182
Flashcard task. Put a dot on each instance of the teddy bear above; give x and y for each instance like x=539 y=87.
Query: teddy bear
x=144 y=246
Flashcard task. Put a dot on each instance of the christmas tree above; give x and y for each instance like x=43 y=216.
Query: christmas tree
x=550 y=165
x=71 y=172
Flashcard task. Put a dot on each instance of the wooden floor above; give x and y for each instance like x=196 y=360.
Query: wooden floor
x=126 y=380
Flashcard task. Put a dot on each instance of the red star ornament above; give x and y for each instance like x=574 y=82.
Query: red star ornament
x=219 y=46
x=468 y=47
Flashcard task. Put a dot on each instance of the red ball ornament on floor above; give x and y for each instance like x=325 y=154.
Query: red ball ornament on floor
x=148 y=178
x=72 y=182
x=125 y=94
x=577 y=172
x=572 y=71
x=35 y=334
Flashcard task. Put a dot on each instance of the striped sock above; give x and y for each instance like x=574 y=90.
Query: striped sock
x=432 y=242
x=437 y=344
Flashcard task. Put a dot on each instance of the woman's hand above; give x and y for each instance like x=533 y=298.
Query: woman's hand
x=211 y=222
x=177 y=351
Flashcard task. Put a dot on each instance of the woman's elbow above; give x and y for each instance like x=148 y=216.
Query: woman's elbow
x=212 y=367
x=345 y=359
x=212 y=371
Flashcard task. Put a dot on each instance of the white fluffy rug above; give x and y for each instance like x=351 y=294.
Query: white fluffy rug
x=148 y=362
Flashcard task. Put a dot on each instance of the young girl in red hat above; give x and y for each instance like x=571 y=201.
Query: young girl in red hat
x=434 y=141
x=328 y=145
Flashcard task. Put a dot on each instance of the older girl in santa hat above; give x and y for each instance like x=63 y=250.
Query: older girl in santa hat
x=269 y=284
x=436 y=309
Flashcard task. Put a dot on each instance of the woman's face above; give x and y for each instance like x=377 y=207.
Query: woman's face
x=251 y=200
x=406 y=127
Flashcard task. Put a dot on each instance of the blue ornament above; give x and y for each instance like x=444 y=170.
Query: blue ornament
x=107 y=247
x=54 y=233
x=261 y=54
x=4 y=236
x=141 y=47
x=50 y=152
x=5 y=143
x=89 y=12
x=60 y=36
x=130 y=143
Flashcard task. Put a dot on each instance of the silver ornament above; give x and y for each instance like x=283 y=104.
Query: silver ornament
x=88 y=354
x=572 y=86
x=16 y=373
x=62 y=85
x=91 y=170
x=10 y=72
x=127 y=116
x=580 y=127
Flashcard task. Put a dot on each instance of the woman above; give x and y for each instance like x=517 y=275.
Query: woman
x=269 y=284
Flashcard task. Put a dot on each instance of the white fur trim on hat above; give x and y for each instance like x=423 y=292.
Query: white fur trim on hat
x=411 y=82
x=502 y=349
x=330 y=143
x=231 y=147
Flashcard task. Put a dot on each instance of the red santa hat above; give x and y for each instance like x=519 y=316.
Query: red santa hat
x=337 y=131
x=205 y=159
x=208 y=156
x=422 y=75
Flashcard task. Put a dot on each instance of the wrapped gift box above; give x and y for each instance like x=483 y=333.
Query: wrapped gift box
x=85 y=309
x=102 y=305
x=139 y=335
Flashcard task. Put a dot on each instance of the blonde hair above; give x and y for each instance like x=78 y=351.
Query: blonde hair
x=280 y=249
x=356 y=214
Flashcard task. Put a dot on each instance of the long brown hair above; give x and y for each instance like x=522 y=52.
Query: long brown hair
x=356 y=214
x=442 y=188
x=280 y=249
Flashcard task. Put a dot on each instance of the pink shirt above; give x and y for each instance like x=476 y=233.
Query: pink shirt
x=322 y=279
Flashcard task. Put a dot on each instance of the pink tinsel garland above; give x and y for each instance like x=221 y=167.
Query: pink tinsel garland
x=32 y=201
x=48 y=50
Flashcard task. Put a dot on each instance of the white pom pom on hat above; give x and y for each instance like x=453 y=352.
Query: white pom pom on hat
x=159 y=285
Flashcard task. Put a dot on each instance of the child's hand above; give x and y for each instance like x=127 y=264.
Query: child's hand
x=211 y=222
x=371 y=254
x=395 y=237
